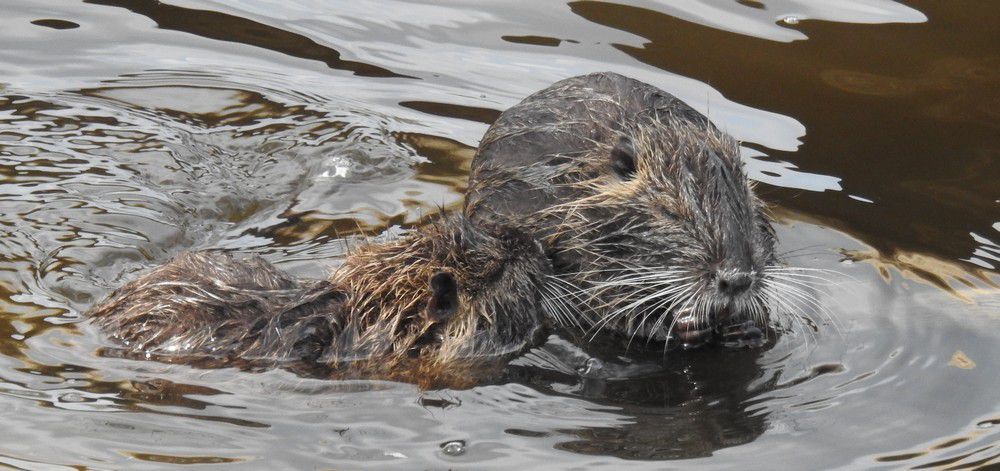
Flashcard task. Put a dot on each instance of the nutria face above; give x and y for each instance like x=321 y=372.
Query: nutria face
x=668 y=236
x=645 y=211
x=500 y=277
x=461 y=289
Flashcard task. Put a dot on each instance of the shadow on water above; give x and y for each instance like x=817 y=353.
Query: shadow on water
x=687 y=407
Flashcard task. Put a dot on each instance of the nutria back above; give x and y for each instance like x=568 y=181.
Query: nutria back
x=643 y=205
x=211 y=305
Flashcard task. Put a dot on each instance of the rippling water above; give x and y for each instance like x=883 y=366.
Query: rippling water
x=132 y=130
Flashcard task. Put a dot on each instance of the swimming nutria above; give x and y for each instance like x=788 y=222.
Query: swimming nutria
x=451 y=291
x=642 y=204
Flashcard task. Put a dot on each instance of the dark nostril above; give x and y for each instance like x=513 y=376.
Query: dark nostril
x=734 y=283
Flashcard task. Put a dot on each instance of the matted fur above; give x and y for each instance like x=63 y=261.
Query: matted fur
x=210 y=308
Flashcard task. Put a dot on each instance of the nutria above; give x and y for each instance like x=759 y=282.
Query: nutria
x=642 y=204
x=449 y=292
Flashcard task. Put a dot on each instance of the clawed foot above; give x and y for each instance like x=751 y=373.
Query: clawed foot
x=743 y=335
x=690 y=334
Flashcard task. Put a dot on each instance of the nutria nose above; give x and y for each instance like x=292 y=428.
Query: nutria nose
x=731 y=283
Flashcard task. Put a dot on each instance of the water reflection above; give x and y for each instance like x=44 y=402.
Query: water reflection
x=687 y=407
x=761 y=19
x=220 y=26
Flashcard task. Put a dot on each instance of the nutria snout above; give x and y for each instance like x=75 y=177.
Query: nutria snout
x=644 y=207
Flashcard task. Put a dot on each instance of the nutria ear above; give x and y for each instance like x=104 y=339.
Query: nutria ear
x=444 y=297
x=623 y=158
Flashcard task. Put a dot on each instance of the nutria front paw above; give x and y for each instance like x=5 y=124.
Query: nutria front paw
x=746 y=334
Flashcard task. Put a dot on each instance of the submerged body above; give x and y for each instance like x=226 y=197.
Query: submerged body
x=415 y=308
x=642 y=204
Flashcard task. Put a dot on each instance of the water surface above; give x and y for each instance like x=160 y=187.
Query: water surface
x=133 y=130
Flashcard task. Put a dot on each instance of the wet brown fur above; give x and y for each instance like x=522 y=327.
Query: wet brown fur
x=369 y=319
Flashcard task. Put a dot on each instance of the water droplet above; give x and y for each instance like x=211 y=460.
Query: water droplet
x=453 y=448
x=790 y=20
x=593 y=365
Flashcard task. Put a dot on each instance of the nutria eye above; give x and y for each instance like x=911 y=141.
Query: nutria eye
x=623 y=158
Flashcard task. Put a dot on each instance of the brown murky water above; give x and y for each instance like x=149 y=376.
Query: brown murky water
x=132 y=130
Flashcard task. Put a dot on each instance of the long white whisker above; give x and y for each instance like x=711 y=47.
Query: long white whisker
x=649 y=311
x=807 y=300
x=623 y=310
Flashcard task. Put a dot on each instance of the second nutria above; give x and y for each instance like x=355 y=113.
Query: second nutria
x=642 y=204
x=406 y=309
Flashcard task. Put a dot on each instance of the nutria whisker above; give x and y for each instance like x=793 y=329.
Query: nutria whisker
x=596 y=291
x=623 y=268
x=558 y=312
x=659 y=276
x=787 y=257
x=761 y=307
x=793 y=313
x=571 y=291
x=781 y=268
x=783 y=314
x=675 y=294
x=753 y=307
x=790 y=294
x=807 y=269
x=661 y=296
x=822 y=276
x=807 y=303
x=806 y=284
x=672 y=288
x=555 y=303
x=804 y=281
x=800 y=249
x=682 y=308
x=670 y=295
x=786 y=309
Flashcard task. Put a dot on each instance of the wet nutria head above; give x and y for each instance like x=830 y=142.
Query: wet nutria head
x=643 y=204
x=465 y=290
